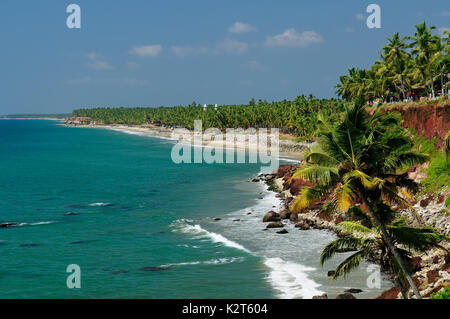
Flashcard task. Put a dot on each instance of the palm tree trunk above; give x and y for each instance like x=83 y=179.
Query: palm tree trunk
x=392 y=248
x=403 y=289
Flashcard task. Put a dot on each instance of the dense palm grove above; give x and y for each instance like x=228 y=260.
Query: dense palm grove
x=409 y=67
x=297 y=117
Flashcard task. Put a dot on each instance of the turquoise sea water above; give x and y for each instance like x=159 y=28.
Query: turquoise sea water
x=146 y=226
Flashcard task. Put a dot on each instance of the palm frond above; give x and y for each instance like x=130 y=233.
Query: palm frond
x=367 y=181
x=338 y=246
x=353 y=227
x=344 y=196
x=316 y=174
x=356 y=213
x=307 y=197
x=419 y=239
x=321 y=158
x=351 y=263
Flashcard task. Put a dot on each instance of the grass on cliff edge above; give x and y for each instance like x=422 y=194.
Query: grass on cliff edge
x=438 y=172
x=444 y=294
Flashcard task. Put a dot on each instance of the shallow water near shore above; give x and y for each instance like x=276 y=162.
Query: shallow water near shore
x=143 y=226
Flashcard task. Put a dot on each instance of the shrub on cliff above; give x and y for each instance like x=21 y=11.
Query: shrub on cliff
x=443 y=294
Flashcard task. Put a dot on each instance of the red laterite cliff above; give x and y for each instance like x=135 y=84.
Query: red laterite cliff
x=432 y=119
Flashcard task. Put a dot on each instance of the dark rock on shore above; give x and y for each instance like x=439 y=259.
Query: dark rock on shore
x=324 y=296
x=433 y=276
x=353 y=291
x=416 y=263
x=269 y=177
x=390 y=294
x=275 y=225
x=217 y=219
x=302 y=225
x=285 y=170
x=283 y=231
x=345 y=296
x=425 y=202
x=271 y=217
x=285 y=213
x=296 y=185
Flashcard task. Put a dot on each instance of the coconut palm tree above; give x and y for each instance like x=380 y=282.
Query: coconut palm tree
x=440 y=61
x=362 y=159
x=396 y=60
x=423 y=48
x=366 y=241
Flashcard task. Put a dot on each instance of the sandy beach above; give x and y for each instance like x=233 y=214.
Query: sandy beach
x=287 y=147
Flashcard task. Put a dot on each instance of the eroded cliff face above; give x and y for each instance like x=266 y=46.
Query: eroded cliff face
x=432 y=119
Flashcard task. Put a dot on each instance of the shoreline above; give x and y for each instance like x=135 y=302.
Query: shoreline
x=286 y=147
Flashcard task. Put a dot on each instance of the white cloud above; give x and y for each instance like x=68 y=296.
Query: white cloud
x=97 y=62
x=291 y=38
x=232 y=46
x=147 y=50
x=360 y=16
x=239 y=27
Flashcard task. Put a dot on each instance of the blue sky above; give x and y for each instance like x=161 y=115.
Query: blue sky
x=152 y=53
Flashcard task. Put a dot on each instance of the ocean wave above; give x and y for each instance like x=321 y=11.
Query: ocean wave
x=138 y=133
x=284 y=159
x=291 y=280
x=43 y=223
x=100 y=204
x=196 y=230
x=219 y=261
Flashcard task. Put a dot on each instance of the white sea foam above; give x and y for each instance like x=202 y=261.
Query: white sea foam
x=147 y=134
x=291 y=280
x=219 y=261
x=199 y=232
x=42 y=223
x=99 y=204
x=285 y=159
